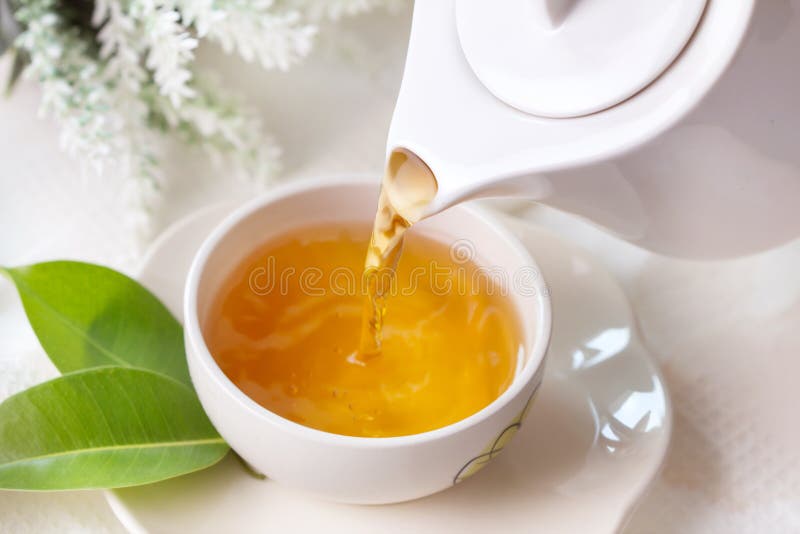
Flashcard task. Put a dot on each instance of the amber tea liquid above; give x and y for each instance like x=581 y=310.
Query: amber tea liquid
x=292 y=342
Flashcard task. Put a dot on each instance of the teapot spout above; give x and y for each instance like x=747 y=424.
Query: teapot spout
x=476 y=145
x=468 y=138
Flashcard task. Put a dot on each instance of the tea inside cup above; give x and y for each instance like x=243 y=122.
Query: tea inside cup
x=354 y=468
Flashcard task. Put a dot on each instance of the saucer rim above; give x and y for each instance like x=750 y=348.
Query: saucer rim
x=637 y=492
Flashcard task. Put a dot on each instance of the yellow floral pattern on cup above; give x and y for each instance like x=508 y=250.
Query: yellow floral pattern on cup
x=496 y=446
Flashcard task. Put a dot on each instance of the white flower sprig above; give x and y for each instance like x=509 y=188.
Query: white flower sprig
x=73 y=89
x=255 y=29
x=231 y=134
x=169 y=48
x=127 y=76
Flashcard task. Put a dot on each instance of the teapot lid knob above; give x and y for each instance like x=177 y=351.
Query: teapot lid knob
x=569 y=58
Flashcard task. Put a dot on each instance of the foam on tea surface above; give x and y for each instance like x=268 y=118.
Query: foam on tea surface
x=285 y=328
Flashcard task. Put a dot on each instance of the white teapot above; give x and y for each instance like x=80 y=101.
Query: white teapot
x=675 y=124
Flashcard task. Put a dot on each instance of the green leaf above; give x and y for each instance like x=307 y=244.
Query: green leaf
x=104 y=428
x=88 y=316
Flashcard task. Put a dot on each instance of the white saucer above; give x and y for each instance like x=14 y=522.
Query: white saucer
x=594 y=439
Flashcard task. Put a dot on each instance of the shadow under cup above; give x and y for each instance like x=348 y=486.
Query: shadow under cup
x=345 y=468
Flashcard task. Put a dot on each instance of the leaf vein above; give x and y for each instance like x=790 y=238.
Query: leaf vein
x=116 y=448
x=22 y=286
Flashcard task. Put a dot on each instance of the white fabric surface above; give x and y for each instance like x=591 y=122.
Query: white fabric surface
x=726 y=333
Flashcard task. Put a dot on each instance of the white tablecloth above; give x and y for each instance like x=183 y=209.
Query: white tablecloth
x=727 y=334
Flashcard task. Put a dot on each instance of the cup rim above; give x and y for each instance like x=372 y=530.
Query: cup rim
x=201 y=352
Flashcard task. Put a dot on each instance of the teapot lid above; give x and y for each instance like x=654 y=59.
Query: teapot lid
x=569 y=58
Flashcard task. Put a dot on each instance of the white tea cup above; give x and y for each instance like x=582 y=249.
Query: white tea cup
x=359 y=469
